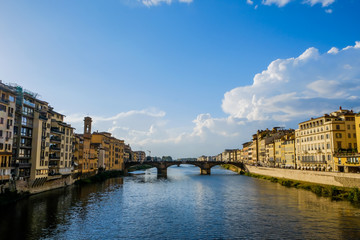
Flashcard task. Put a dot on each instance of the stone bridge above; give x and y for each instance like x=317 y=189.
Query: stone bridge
x=205 y=166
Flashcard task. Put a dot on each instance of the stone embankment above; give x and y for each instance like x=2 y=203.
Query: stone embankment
x=348 y=180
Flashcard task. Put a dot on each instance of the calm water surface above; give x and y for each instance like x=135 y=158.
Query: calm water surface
x=184 y=206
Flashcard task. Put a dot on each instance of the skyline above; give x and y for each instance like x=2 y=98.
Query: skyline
x=177 y=77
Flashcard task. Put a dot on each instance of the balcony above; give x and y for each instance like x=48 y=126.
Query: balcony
x=54 y=157
x=55 y=139
x=54 y=148
x=26 y=124
x=57 y=130
x=3 y=100
x=30 y=104
x=25 y=146
x=30 y=114
x=26 y=135
x=53 y=164
x=24 y=165
x=43 y=117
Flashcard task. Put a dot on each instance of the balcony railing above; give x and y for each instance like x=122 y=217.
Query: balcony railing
x=3 y=100
x=24 y=165
x=54 y=148
x=26 y=135
x=25 y=145
x=54 y=157
x=57 y=130
x=29 y=103
x=31 y=114
x=55 y=139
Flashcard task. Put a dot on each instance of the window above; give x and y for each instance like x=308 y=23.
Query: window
x=338 y=135
x=2 y=108
x=349 y=135
x=337 y=127
x=350 y=146
x=348 y=127
x=338 y=144
x=354 y=135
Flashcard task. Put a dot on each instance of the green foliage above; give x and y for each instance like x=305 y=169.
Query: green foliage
x=100 y=177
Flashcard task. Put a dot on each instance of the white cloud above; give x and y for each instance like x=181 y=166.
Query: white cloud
x=329 y=11
x=250 y=2
x=308 y=85
x=333 y=50
x=150 y=3
x=324 y=3
x=279 y=3
x=282 y=3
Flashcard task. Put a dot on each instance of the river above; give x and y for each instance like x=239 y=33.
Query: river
x=186 y=205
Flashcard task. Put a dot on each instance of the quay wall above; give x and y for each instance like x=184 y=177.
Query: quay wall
x=25 y=186
x=349 y=180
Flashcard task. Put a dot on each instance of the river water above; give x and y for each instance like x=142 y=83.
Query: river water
x=186 y=205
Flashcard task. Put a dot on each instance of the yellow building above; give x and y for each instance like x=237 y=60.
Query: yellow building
x=139 y=156
x=117 y=148
x=111 y=151
x=85 y=153
x=270 y=153
x=318 y=140
x=7 y=109
x=278 y=153
x=288 y=151
x=261 y=140
x=246 y=153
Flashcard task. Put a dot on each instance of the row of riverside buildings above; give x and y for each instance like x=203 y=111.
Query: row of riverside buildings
x=326 y=143
x=37 y=146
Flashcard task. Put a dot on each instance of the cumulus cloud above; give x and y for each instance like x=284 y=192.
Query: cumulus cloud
x=150 y=3
x=303 y=86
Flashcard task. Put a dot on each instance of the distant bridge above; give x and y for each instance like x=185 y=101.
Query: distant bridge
x=205 y=166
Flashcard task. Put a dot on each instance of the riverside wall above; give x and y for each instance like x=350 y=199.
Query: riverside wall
x=349 y=180
x=25 y=186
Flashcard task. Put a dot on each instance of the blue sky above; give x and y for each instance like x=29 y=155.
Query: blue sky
x=178 y=76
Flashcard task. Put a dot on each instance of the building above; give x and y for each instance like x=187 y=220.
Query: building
x=288 y=155
x=42 y=141
x=229 y=155
x=261 y=148
x=139 y=156
x=319 y=140
x=7 y=109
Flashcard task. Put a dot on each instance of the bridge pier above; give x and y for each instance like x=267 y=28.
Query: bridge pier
x=162 y=172
x=126 y=172
x=205 y=171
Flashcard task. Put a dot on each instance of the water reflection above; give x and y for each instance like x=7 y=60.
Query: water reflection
x=186 y=205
